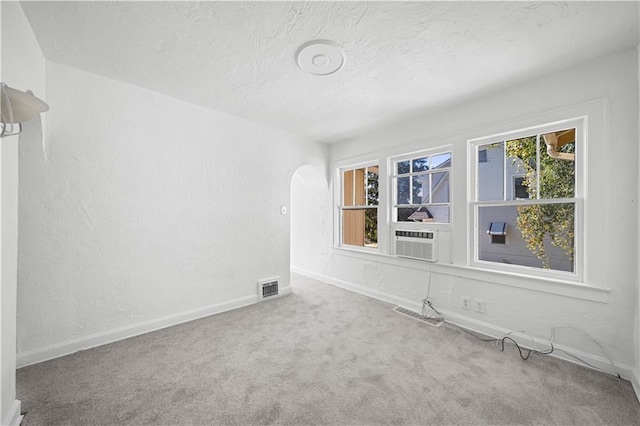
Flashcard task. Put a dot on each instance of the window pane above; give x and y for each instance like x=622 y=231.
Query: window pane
x=353 y=227
x=420 y=189
x=403 y=186
x=428 y=214
x=426 y=184
x=420 y=164
x=372 y=186
x=347 y=184
x=521 y=159
x=490 y=173
x=403 y=167
x=403 y=213
x=371 y=228
x=539 y=235
x=359 y=177
x=415 y=214
x=557 y=175
x=360 y=227
x=520 y=189
x=440 y=187
x=441 y=160
x=440 y=213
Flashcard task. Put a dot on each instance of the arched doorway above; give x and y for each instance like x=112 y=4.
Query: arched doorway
x=310 y=219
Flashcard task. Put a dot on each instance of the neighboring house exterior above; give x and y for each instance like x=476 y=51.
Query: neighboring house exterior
x=512 y=249
x=499 y=179
x=499 y=238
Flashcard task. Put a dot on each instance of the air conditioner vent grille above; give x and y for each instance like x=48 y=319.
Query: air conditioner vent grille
x=415 y=234
x=416 y=245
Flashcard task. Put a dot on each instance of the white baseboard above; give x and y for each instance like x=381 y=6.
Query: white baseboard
x=376 y=294
x=14 y=416
x=635 y=382
x=109 y=336
x=285 y=290
x=599 y=362
x=488 y=329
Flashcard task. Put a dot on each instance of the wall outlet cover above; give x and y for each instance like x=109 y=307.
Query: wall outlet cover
x=466 y=303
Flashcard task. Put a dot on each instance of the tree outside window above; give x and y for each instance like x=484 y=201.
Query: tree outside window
x=550 y=178
x=528 y=183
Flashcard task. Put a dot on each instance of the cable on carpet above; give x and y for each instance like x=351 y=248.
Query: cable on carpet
x=524 y=353
x=426 y=300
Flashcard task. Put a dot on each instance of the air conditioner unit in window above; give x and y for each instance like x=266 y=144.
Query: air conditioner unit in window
x=419 y=245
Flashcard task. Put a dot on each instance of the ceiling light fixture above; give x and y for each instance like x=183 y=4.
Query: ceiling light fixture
x=320 y=57
x=17 y=107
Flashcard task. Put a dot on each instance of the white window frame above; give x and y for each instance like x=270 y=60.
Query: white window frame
x=580 y=124
x=340 y=204
x=393 y=193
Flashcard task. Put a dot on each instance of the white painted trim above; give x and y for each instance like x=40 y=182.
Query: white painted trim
x=109 y=336
x=385 y=297
x=580 y=124
x=488 y=329
x=635 y=382
x=15 y=415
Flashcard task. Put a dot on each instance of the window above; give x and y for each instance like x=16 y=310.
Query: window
x=421 y=188
x=520 y=190
x=498 y=232
x=526 y=182
x=359 y=207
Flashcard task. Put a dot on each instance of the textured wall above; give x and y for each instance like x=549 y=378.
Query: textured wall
x=140 y=208
x=23 y=67
x=611 y=198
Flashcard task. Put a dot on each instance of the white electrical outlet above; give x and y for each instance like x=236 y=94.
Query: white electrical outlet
x=479 y=306
x=466 y=303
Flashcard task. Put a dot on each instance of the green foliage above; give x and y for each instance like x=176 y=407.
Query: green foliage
x=545 y=222
x=371 y=215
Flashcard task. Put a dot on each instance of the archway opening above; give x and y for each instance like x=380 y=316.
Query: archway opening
x=310 y=220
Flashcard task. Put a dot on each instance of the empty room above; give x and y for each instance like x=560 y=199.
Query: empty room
x=341 y=213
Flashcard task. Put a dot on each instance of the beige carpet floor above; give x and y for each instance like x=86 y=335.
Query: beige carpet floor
x=321 y=355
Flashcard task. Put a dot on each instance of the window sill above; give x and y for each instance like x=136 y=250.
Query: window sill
x=541 y=284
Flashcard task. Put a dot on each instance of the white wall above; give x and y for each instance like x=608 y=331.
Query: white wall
x=636 y=381
x=23 y=67
x=143 y=211
x=514 y=302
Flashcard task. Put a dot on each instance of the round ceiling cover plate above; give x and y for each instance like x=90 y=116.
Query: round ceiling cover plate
x=320 y=57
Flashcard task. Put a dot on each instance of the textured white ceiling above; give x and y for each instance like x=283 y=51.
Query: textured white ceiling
x=238 y=57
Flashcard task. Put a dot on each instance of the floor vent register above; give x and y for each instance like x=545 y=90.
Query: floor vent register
x=435 y=322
